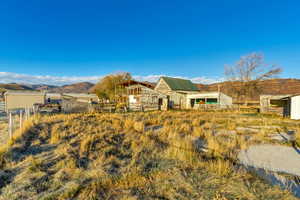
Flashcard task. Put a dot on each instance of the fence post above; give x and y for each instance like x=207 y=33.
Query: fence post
x=21 y=119
x=27 y=114
x=10 y=125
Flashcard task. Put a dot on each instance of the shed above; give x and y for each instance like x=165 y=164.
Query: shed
x=141 y=96
x=273 y=103
x=218 y=99
x=77 y=102
x=81 y=97
x=292 y=107
x=23 y=99
x=53 y=97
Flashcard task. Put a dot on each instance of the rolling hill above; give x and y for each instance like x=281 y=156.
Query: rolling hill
x=83 y=87
x=14 y=86
x=273 y=86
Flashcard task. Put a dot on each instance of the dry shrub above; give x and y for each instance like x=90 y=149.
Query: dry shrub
x=185 y=128
x=182 y=149
x=215 y=146
x=128 y=124
x=219 y=196
x=199 y=132
x=220 y=167
x=35 y=164
x=198 y=122
x=116 y=124
x=231 y=125
x=139 y=126
x=70 y=190
x=86 y=145
x=98 y=189
x=56 y=134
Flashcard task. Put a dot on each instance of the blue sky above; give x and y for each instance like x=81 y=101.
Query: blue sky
x=192 y=38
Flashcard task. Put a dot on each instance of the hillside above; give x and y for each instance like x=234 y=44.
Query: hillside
x=274 y=86
x=14 y=86
x=132 y=156
x=42 y=87
x=82 y=87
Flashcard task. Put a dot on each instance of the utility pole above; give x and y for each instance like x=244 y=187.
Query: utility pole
x=219 y=94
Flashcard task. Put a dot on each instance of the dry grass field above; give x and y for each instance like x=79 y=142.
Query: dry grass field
x=3 y=131
x=153 y=155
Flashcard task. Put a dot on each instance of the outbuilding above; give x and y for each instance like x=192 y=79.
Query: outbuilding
x=208 y=99
x=23 y=99
x=292 y=107
x=142 y=96
x=77 y=102
x=270 y=103
x=81 y=97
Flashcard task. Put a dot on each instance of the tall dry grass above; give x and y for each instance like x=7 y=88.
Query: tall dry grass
x=120 y=156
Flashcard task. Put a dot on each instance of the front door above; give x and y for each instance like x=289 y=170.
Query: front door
x=160 y=103
x=192 y=103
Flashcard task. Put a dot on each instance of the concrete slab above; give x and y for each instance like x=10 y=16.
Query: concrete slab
x=247 y=130
x=225 y=132
x=275 y=158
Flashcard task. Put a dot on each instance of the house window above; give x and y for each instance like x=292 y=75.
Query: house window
x=200 y=101
x=212 y=101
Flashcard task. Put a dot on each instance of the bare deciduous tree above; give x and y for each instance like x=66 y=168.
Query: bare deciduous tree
x=243 y=78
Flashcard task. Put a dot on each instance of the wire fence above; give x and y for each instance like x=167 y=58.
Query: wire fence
x=2 y=106
x=12 y=121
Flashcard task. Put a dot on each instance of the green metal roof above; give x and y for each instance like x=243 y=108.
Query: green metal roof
x=180 y=84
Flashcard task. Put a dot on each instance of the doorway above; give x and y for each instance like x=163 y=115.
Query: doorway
x=192 y=103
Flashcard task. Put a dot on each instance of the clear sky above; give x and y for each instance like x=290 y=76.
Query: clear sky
x=188 y=38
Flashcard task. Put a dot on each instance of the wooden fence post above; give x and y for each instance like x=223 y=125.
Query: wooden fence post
x=10 y=125
x=21 y=119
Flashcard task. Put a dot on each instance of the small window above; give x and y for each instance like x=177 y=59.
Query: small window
x=212 y=101
x=276 y=103
x=200 y=101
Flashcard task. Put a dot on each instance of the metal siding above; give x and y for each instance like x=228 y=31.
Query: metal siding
x=23 y=101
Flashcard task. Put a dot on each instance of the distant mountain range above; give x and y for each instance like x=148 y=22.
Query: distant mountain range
x=273 y=86
x=82 y=87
